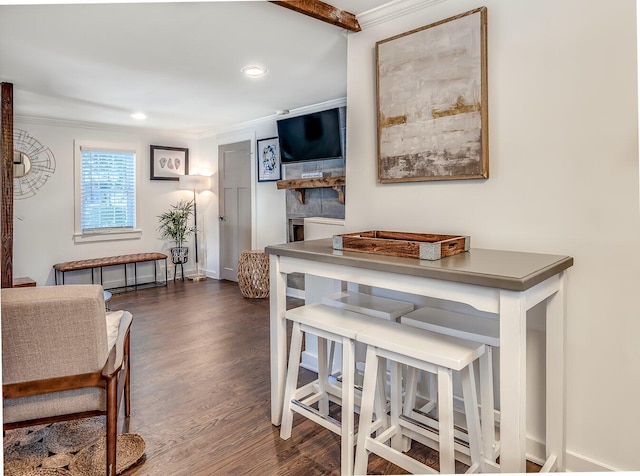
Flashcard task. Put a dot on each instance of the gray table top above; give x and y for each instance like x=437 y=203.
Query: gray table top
x=511 y=270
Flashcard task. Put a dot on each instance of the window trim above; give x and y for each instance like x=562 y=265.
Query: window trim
x=112 y=234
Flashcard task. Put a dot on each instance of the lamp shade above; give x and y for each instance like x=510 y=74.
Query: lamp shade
x=197 y=183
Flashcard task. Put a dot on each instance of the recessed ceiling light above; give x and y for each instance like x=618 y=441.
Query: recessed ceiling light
x=254 y=71
x=139 y=115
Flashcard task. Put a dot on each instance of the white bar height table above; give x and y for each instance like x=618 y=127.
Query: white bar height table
x=506 y=283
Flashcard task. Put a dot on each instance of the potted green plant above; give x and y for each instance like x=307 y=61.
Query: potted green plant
x=174 y=226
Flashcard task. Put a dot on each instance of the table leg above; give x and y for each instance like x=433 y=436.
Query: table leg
x=513 y=378
x=556 y=381
x=278 y=337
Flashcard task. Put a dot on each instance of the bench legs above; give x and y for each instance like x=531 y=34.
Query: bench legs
x=59 y=274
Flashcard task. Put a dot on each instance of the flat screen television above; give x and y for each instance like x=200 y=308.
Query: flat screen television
x=312 y=136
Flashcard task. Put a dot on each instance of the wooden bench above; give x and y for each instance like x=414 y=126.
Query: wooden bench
x=62 y=268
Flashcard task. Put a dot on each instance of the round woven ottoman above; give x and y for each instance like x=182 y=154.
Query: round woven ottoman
x=253 y=274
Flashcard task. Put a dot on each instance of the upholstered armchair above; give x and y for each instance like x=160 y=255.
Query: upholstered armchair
x=60 y=361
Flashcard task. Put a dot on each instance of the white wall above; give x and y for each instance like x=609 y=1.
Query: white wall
x=44 y=223
x=563 y=180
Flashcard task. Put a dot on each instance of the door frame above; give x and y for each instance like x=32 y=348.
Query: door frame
x=232 y=139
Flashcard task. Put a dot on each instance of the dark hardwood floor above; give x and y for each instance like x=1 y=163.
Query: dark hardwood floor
x=200 y=388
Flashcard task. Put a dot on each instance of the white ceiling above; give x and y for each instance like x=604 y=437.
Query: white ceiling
x=179 y=63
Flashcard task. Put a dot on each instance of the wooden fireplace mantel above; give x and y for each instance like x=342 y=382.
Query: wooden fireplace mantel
x=300 y=185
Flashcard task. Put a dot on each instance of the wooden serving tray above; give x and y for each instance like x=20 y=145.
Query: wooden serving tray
x=409 y=245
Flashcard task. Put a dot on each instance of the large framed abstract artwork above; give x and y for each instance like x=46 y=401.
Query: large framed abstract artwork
x=432 y=101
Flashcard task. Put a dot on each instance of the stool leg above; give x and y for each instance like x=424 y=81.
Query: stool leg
x=380 y=401
x=366 y=410
x=292 y=381
x=487 y=404
x=445 y=404
x=348 y=396
x=433 y=392
x=410 y=390
x=396 y=403
x=332 y=353
x=473 y=418
x=323 y=376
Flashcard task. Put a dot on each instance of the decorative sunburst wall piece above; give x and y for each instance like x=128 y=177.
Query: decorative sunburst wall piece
x=42 y=161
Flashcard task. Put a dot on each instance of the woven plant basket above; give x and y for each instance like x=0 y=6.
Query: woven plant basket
x=253 y=274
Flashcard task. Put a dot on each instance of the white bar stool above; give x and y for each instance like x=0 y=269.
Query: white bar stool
x=474 y=328
x=370 y=305
x=337 y=325
x=424 y=350
x=375 y=306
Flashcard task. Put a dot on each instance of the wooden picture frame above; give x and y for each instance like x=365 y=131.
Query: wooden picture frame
x=168 y=163
x=432 y=101
x=268 y=157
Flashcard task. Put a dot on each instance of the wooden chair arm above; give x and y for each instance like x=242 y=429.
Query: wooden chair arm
x=120 y=350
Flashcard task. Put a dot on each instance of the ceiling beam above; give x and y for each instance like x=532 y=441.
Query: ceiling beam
x=322 y=11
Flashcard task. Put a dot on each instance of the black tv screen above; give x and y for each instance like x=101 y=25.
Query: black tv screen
x=310 y=137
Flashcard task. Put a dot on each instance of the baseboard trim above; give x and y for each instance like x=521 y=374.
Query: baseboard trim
x=295 y=293
x=309 y=361
x=142 y=280
x=536 y=451
x=577 y=463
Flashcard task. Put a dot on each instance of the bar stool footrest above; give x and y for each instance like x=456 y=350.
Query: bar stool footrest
x=474 y=468
x=550 y=465
x=431 y=424
x=429 y=436
x=378 y=446
x=311 y=413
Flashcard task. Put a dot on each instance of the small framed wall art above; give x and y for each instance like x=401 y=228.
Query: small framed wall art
x=168 y=163
x=268 y=153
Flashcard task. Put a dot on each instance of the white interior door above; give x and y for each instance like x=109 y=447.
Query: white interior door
x=235 y=205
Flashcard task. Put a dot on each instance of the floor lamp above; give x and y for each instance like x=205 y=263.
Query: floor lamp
x=197 y=183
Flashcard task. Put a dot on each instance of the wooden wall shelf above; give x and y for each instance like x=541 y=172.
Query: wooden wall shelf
x=300 y=185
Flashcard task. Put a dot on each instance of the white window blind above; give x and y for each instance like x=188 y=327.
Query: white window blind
x=107 y=191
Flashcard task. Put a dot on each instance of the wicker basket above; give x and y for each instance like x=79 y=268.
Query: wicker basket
x=253 y=274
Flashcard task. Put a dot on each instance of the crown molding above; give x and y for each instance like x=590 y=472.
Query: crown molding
x=51 y=122
x=273 y=117
x=391 y=10
x=193 y=135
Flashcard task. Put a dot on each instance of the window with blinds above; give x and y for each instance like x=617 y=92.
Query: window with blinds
x=107 y=191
